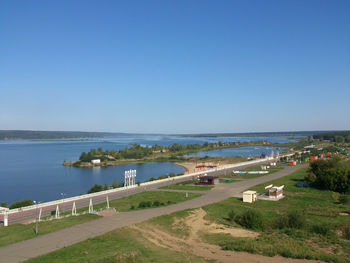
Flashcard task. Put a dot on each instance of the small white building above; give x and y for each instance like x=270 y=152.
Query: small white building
x=275 y=192
x=249 y=196
x=96 y=161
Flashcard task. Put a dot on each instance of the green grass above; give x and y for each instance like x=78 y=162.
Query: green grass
x=188 y=185
x=123 y=246
x=126 y=203
x=18 y=232
x=320 y=208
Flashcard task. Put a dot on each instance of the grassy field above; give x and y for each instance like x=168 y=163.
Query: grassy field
x=322 y=235
x=122 y=245
x=18 y=232
x=189 y=185
x=132 y=202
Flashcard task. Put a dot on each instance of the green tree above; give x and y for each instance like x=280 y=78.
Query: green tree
x=23 y=203
x=95 y=188
x=329 y=174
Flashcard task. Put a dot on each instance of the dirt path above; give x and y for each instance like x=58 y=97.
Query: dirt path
x=193 y=243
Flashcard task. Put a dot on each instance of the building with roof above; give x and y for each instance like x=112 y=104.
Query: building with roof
x=208 y=180
x=249 y=196
x=275 y=192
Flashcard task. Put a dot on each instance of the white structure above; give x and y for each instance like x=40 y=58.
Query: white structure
x=74 y=209
x=275 y=192
x=91 y=208
x=96 y=161
x=57 y=215
x=129 y=178
x=273 y=164
x=4 y=211
x=249 y=196
x=107 y=201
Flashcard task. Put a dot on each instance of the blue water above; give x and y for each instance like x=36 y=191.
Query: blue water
x=33 y=169
x=240 y=151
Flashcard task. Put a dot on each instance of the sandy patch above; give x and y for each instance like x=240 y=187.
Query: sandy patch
x=193 y=244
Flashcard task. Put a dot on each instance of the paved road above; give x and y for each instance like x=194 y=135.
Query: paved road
x=66 y=206
x=50 y=242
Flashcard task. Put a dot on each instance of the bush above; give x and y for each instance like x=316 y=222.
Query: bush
x=95 y=188
x=231 y=215
x=347 y=233
x=251 y=219
x=291 y=220
x=132 y=207
x=142 y=204
x=23 y=203
x=3 y=204
x=344 y=199
x=156 y=203
x=322 y=229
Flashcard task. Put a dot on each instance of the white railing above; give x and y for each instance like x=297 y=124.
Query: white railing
x=121 y=189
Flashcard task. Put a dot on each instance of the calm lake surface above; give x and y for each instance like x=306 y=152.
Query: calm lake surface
x=240 y=151
x=33 y=169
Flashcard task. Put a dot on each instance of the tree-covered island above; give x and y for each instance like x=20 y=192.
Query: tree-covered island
x=156 y=153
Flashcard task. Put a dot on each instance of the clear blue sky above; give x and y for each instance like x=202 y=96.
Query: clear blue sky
x=175 y=66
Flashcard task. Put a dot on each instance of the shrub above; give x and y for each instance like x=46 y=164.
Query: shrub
x=142 y=204
x=251 y=219
x=344 y=199
x=23 y=203
x=95 y=188
x=156 y=203
x=169 y=202
x=148 y=204
x=347 y=233
x=231 y=215
x=114 y=184
x=132 y=207
x=291 y=220
x=322 y=229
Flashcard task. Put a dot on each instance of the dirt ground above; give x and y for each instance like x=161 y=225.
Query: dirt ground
x=193 y=244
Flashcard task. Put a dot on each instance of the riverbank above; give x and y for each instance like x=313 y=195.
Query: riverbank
x=173 y=153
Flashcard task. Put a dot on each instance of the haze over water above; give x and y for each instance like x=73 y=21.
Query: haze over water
x=33 y=169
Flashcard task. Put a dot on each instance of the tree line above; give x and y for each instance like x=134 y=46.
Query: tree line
x=338 y=137
x=136 y=151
